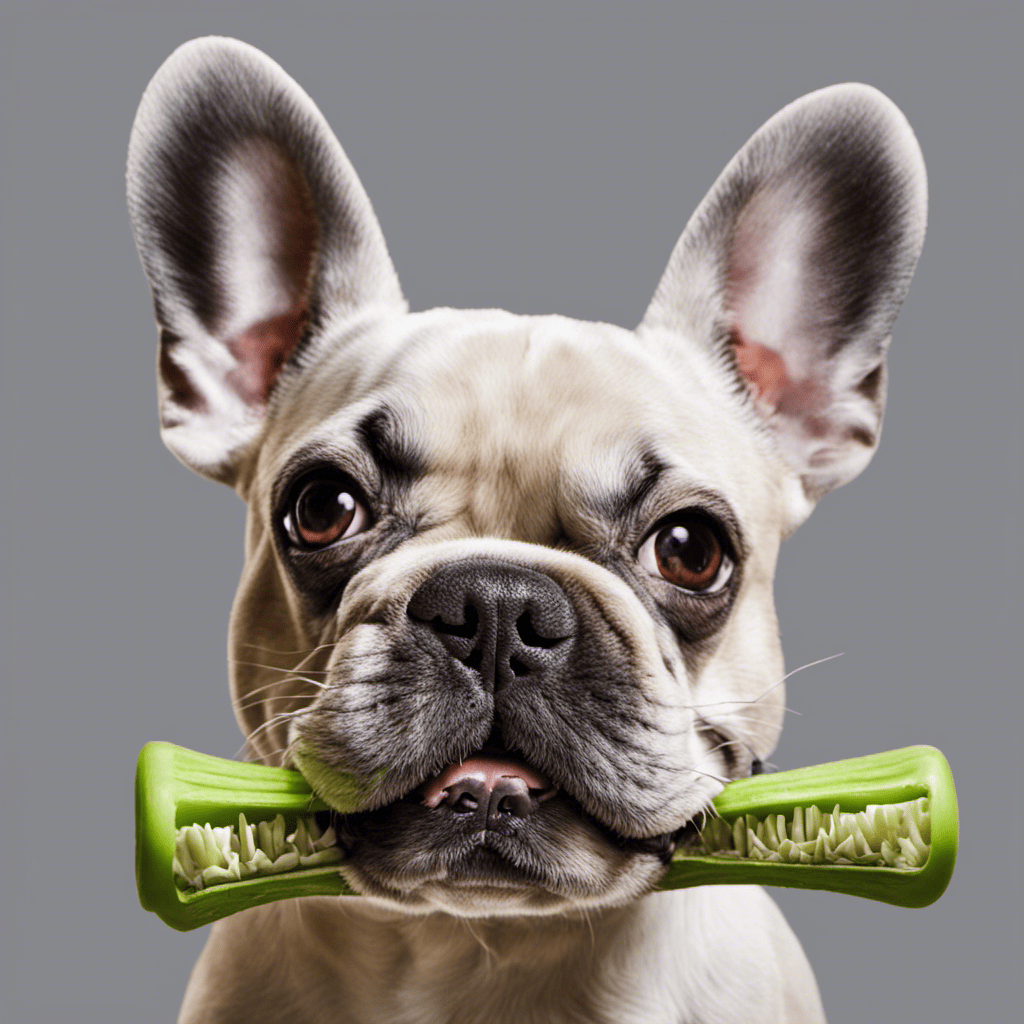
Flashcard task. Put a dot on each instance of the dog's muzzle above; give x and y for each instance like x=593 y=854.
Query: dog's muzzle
x=517 y=734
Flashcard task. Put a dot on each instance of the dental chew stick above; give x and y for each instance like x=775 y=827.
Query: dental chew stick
x=214 y=836
x=177 y=788
x=884 y=826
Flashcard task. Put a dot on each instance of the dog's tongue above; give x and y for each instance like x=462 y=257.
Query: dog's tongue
x=486 y=770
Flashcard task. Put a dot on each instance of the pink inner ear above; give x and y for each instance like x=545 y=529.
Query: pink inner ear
x=776 y=391
x=764 y=369
x=261 y=351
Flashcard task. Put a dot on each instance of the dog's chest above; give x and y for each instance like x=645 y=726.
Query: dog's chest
x=690 y=956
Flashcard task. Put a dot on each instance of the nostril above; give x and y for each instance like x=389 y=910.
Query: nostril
x=519 y=805
x=466 y=629
x=466 y=795
x=518 y=667
x=510 y=796
x=530 y=636
x=465 y=804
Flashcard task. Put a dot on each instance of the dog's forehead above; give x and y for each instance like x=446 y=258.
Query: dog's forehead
x=511 y=412
x=563 y=402
x=526 y=388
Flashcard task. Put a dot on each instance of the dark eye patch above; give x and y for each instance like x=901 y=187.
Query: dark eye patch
x=321 y=575
x=324 y=486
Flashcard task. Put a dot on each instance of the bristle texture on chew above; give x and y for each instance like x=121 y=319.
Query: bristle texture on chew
x=206 y=856
x=882 y=835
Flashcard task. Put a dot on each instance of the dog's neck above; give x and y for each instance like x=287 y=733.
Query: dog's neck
x=426 y=948
x=351 y=960
x=442 y=967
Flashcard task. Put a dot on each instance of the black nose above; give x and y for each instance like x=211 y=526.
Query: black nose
x=499 y=619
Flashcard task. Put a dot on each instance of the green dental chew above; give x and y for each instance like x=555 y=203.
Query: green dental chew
x=175 y=788
x=900 y=805
x=204 y=855
x=886 y=835
x=883 y=826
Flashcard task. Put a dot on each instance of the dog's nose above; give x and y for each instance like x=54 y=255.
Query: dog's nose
x=494 y=789
x=499 y=619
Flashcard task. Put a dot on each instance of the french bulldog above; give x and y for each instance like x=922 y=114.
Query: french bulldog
x=507 y=596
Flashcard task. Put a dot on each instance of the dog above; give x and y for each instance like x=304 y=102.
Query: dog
x=507 y=595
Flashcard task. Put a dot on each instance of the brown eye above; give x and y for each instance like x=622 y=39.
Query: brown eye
x=325 y=510
x=688 y=554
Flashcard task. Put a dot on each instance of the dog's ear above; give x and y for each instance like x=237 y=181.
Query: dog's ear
x=793 y=269
x=253 y=230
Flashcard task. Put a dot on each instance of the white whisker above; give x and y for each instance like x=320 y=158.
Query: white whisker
x=726 y=743
x=279 y=682
x=268 y=754
x=276 y=668
x=741 y=704
x=276 y=720
x=723 y=720
x=277 y=696
x=274 y=650
x=490 y=954
x=810 y=664
x=709 y=775
x=760 y=697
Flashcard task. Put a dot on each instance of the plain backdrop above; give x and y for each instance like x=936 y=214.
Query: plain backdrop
x=542 y=158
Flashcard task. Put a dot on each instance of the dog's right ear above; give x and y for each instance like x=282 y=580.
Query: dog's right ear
x=253 y=230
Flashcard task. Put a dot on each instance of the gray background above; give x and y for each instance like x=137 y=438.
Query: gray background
x=543 y=159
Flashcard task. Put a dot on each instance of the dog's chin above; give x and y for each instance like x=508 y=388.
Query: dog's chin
x=556 y=859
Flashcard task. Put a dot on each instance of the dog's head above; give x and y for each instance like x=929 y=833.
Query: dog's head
x=508 y=579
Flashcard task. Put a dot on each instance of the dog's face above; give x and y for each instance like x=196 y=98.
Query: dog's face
x=513 y=539
x=507 y=597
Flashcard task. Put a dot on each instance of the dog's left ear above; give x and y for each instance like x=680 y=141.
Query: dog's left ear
x=793 y=269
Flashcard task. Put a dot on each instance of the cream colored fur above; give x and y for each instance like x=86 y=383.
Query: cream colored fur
x=744 y=385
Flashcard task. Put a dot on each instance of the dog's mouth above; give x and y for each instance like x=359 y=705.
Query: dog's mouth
x=487 y=806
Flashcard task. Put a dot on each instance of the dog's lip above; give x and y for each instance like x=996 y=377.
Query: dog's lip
x=662 y=845
x=495 y=753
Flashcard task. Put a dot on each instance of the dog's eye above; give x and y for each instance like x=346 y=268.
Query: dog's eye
x=323 y=511
x=687 y=552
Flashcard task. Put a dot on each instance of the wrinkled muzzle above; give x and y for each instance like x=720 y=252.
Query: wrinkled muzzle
x=547 y=668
